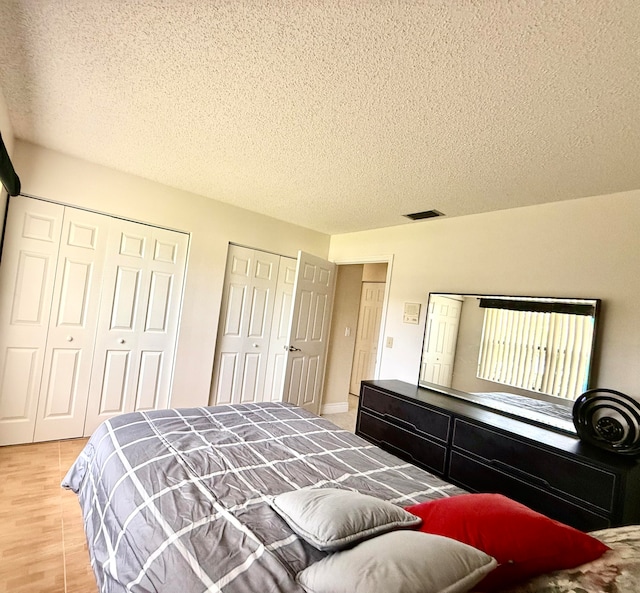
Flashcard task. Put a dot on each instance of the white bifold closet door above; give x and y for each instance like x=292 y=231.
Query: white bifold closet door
x=137 y=323
x=247 y=366
x=72 y=326
x=274 y=324
x=280 y=329
x=27 y=274
x=77 y=289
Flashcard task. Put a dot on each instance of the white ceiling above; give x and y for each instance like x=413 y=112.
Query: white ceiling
x=336 y=115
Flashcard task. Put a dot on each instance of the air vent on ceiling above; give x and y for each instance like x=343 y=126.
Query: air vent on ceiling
x=425 y=214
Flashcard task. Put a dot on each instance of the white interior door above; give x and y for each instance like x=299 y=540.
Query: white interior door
x=441 y=337
x=72 y=328
x=242 y=348
x=311 y=318
x=368 y=333
x=137 y=321
x=27 y=274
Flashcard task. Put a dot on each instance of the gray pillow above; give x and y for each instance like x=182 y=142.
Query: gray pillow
x=331 y=519
x=400 y=562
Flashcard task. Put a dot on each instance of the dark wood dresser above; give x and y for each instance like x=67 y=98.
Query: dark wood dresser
x=485 y=451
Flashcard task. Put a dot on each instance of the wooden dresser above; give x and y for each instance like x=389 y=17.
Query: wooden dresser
x=485 y=451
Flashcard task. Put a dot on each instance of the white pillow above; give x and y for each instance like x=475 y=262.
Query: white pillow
x=400 y=562
x=331 y=519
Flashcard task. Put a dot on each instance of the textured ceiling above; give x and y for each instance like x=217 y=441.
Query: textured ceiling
x=336 y=115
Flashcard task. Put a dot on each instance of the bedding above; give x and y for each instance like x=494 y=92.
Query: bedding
x=616 y=571
x=179 y=501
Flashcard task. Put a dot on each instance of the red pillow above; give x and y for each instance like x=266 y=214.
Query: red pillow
x=524 y=542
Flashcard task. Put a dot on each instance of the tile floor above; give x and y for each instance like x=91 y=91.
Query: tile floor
x=42 y=542
x=346 y=420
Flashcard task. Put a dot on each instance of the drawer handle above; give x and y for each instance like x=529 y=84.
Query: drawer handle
x=400 y=422
x=519 y=473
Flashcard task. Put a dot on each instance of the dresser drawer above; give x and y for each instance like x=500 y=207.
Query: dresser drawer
x=403 y=443
x=413 y=417
x=546 y=470
x=480 y=477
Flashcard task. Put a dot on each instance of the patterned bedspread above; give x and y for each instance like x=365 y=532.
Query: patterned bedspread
x=617 y=571
x=176 y=500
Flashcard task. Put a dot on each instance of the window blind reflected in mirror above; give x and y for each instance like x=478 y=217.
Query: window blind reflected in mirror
x=545 y=352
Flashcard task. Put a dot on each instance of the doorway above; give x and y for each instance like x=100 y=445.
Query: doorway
x=342 y=360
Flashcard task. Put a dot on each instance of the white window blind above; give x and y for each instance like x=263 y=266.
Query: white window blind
x=539 y=351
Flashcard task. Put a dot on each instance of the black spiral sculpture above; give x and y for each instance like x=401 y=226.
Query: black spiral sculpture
x=608 y=419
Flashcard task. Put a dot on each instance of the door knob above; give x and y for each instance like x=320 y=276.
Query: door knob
x=69 y=338
x=256 y=345
x=121 y=340
x=293 y=349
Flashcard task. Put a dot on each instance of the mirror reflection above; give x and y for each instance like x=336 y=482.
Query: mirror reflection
x=532 y=346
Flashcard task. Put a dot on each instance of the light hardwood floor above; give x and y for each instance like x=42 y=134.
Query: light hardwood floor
x=42 y=543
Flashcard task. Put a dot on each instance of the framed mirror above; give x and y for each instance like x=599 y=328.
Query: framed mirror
x=511 y=352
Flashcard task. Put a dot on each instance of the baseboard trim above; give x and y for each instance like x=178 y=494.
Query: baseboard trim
x=337 y=408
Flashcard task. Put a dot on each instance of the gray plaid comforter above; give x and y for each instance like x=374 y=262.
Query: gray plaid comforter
x=176 y=500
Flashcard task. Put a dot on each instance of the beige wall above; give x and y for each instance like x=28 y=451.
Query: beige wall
x=346 y=306
x=580 y=248
x=212 y=225
x=374 y=273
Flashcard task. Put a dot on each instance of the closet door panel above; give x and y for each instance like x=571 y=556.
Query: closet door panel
x=149 y=386
x=113 y=388
x=113 y=377
x=19 y=377
x=223 y=377
x=235 y=310
x=124 y=301
x=27 y=275
x=61 y=387
x=72 y=328
x=138 y=321
x=279 y=339
x=250 y=381
x=159 y=305
x=159 y=317
x=30 y=291
x=240 y=364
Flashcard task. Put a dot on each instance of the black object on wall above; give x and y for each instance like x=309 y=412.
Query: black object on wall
x=538 y=306
x=8 y=176
x=608 y=419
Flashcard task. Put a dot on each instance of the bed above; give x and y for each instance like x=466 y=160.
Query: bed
x=180 y=500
